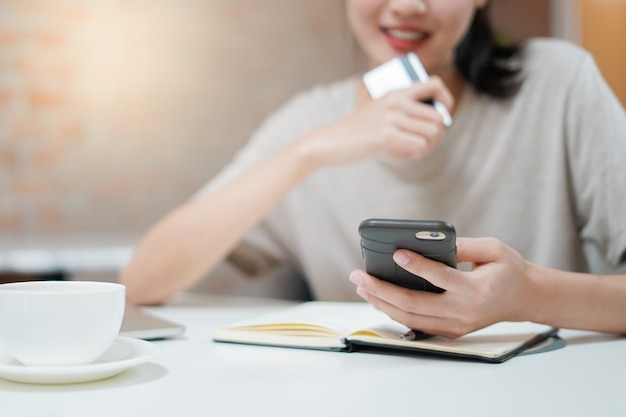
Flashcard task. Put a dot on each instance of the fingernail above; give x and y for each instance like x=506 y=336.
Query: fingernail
x=400 y=258
x=356 y=277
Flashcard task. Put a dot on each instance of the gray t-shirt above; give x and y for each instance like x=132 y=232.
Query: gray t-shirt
x=544 y=172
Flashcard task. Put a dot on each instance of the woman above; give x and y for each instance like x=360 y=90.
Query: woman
x=533 y=160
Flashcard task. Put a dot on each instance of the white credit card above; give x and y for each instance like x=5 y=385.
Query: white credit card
x=400 y=72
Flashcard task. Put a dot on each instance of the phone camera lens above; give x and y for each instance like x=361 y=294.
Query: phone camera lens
x=430 y=235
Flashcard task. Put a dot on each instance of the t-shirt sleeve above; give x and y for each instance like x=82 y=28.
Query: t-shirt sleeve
x=596 y=125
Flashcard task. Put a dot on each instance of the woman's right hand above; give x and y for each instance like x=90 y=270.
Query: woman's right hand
x=398 y=124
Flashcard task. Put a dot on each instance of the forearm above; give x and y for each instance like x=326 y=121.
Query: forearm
x=190 y=241
x=577 y=300
x=181 y=248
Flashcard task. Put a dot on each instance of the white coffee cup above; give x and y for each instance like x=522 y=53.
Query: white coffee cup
x=60 y=323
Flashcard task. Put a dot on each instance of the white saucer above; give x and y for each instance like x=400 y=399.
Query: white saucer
x=123 y=354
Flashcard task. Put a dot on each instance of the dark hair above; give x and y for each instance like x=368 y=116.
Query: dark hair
x=489 y=66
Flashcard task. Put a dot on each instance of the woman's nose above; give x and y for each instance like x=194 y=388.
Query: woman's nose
x=409 y=7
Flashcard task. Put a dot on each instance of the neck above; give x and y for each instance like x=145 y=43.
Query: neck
x=455 y=82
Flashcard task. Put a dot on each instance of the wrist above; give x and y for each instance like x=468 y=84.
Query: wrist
x=551 y=294
x=306 y=152
x=536 y=302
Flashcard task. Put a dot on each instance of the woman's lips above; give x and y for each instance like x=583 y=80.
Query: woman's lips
x=405 y=40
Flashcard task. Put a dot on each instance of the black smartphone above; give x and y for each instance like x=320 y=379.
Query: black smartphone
x=380 y=238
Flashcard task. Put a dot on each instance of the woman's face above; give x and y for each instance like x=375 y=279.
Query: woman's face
x=430 y=28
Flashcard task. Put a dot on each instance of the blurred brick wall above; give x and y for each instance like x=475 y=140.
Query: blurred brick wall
x=114 y=111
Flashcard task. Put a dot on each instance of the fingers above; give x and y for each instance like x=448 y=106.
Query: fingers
x=428 y=302
x=417 y=125
x=479 y=250
x=370 y=287
x=411 y=129
x=412 y=101
x=419 y=310
x=409 y=145
x=414 y=128
x=437 y=273
x=441 y=93
x=434 y=89
x=439 y=326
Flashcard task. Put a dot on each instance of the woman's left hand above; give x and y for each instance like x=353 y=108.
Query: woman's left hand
x=497 y=289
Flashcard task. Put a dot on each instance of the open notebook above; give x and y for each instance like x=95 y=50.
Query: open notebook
x=350 y=327
x=143 y=325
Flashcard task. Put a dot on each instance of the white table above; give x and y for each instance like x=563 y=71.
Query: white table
x=194 y=376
